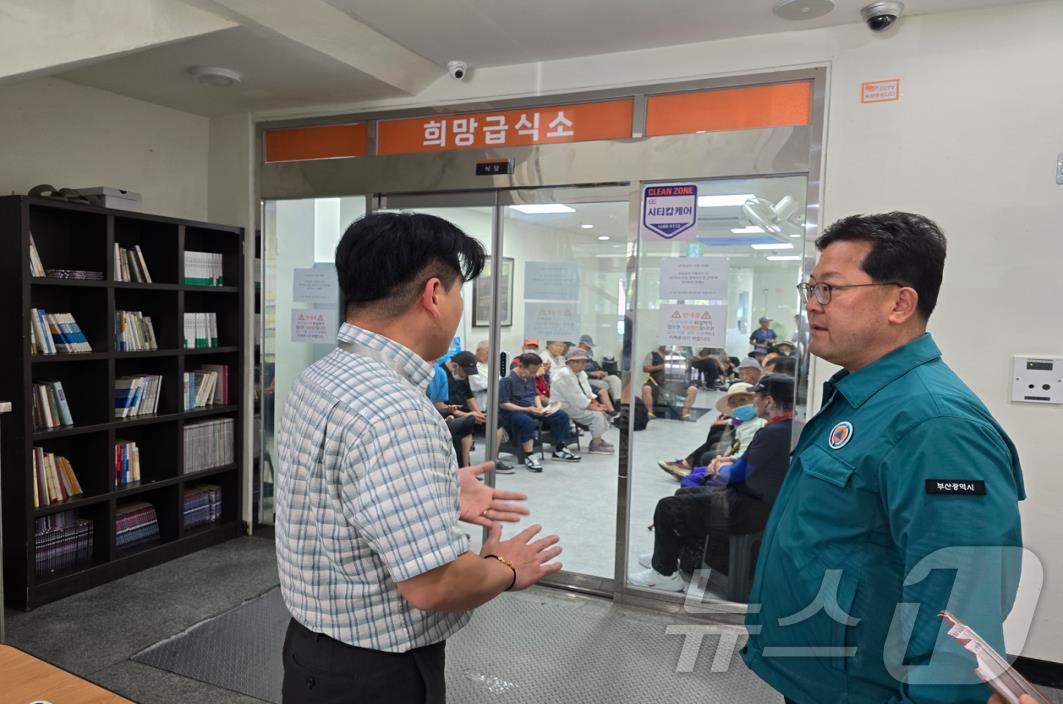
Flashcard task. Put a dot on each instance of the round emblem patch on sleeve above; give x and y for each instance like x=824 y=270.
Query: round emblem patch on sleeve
x=841 y=435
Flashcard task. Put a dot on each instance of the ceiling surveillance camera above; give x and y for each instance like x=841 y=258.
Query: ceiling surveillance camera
x=880 y=16
x=458 y=70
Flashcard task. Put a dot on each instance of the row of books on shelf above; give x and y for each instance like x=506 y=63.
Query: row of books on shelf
x=133 y=332
x=51 y=333
x=126 y=463
x=53 y=478
x=208 y=444
x=135 y=523
x=50 y=408
x=137 y=395
x=202 y=505
x=208 y=386
x=203 y=269
x=129 y=264
x=62 y=541
x=201 y=330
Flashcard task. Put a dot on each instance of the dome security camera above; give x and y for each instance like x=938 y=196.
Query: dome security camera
x=458 y=70
x=880 y=16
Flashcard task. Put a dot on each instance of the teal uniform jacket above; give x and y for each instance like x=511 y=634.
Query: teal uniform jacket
x=901 y=461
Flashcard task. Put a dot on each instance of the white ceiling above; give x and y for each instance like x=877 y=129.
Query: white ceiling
x=279 y=72
x=503 y=32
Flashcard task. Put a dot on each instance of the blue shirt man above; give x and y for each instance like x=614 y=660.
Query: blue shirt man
x=518 y=404
x=763 y=337
x=901 y=499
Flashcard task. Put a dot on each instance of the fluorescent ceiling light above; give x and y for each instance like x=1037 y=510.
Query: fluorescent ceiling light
x=587 y=226
x=751 y=230
x=795 y=235
x=603 y=238
x=723 y=201
x=776 y=245
x=785 y=258
x=543 y=208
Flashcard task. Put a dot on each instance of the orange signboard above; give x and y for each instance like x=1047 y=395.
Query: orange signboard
x=325 y=142
x=557 y=124
x=880 y=91
x=755 y=107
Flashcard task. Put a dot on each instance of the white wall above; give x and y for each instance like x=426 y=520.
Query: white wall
x=65 y=134
x=971 y=143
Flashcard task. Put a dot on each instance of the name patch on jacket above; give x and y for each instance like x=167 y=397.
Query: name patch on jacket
x=957 y=487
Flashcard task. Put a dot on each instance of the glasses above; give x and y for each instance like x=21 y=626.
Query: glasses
x=824 y=292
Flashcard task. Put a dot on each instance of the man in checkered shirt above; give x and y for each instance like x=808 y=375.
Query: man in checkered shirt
x=373 y=566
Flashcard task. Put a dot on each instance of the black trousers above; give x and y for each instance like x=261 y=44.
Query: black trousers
x=691 y=513
x=460 y=426
x=321 y=670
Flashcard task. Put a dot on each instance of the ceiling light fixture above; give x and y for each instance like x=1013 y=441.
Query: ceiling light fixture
x=776 y=245
x=802 y=9
x=751 y=230
x=723 y=201
x=215 y=76
x=543 y=209
x=586 y=226
x=785 y=258
x=603 y=238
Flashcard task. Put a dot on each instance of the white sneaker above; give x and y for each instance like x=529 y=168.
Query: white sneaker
x=655 y=580
x=646 y=560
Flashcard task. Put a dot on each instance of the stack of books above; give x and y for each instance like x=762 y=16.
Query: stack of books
x=51 y=333
x=208 y=443
x=201 y=330
x=36 y=267
x=126 y=463
x=50 y=409
x=75 y=274
x=207 y=387
x=135 y=523
x=129 y=264
x=202 y=504
x=137 y=395
x=62 y=541
x=203 y=269
x=53 y=479
x=133 y=332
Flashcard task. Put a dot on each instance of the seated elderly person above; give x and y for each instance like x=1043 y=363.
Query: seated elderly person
x=708 y=366
x=571 y=387
x=519 y=404
x=782 y=365
x=737 y=496
x=729 y=435
x=461 y=424
x=749 y=370
x=600 y=379
x=656 y=393
x=555 y=352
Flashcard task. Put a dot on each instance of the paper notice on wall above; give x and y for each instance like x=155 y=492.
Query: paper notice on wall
x=315 y=325
x=551 y=281
x=692 y=326
x=552 y=321
x=694 y=278
x=316 y=285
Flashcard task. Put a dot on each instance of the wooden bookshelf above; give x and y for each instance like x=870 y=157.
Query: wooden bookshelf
x=70 y=236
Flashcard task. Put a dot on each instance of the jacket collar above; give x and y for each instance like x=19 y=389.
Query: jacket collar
x=861 y=385
x=407 y=363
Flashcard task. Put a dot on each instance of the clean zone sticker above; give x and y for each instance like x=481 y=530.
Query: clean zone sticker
x=669 y=211
x=880 y=91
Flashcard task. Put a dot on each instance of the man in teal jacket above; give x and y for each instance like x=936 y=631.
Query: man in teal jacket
x=901 y=499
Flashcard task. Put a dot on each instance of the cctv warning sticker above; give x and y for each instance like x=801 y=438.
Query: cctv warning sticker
x=880 y=91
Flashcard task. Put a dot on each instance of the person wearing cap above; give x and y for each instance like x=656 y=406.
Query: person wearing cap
x=600 y=379
x=749 y=370
x=729 y=435
x=763 y=337
x=736 y=497
x=902 y=499
x=572 y=388
x=459 y=410
x=784 y=347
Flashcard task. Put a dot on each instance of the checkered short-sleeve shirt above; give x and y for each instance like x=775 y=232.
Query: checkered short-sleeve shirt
x=366 y=495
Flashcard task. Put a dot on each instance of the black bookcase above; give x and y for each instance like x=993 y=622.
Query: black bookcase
x=71 y=236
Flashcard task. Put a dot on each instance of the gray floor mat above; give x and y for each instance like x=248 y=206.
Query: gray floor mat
x=533 y=647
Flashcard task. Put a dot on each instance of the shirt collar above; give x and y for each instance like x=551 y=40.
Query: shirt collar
x=857 y=387
x=402 y=359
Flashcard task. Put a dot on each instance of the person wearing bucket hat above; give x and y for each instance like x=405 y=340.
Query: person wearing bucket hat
x=763 y=337
x=600 y=379
x=729 y=435
x=572 y=388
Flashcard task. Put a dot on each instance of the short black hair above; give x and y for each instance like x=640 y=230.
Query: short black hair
x=784 y=365
x=384 y=259
x=529 y=359
x=905 y=247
